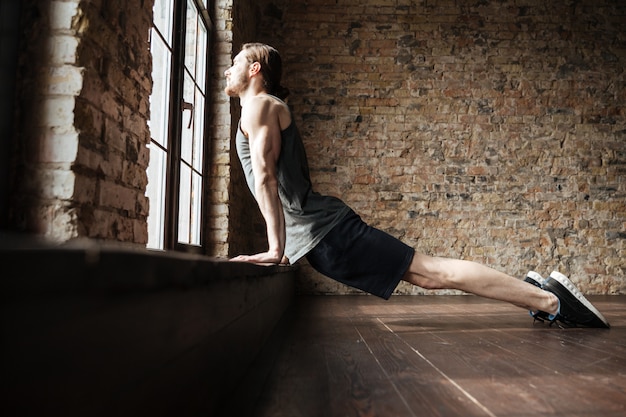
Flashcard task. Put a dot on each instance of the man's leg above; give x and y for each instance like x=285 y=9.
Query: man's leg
x=443 y=273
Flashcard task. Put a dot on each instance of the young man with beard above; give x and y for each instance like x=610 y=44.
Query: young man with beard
x=333 y=238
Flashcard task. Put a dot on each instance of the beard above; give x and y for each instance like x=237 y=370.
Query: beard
x=236 y=85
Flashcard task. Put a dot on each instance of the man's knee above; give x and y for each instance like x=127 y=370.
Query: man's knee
x=430 y=273
x=434 y=281
x=432 y=284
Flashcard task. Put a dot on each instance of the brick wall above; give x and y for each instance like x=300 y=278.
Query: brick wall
x=220 y=144
x=491 y=131
x=81 y=157
x=236 y=226
x=111 y=114
x=487 y=130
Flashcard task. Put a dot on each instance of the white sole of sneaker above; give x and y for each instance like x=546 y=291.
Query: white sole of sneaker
x=572 y=288
x=535 y=276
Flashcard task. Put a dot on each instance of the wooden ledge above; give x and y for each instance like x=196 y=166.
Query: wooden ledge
x=102 y=329
x=36 y=265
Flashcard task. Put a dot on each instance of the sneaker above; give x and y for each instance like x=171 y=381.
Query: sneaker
x=537 y=280
x=574 y=308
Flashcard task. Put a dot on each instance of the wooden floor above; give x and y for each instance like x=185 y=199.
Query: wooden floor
x=443 y=356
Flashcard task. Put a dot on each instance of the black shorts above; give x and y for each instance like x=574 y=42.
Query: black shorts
x=362 y=256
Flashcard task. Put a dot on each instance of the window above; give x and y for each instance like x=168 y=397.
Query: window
x=176 y=174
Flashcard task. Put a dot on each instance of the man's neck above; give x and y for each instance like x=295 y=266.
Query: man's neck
x=253 y=90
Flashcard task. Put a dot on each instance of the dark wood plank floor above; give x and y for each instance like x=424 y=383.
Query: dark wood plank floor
x=443 y=356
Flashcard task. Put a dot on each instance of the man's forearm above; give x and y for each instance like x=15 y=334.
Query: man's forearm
x=272 y=211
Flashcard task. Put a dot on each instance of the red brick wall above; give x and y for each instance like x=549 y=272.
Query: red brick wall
x=79 y=168
x=487 y=130
x=111 y=114
x=491 y=131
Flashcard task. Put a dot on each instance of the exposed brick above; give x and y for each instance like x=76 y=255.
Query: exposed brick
x=59 y=148
x=88 y=72
x=498 y=114
x=116 y=196
x=483 y=130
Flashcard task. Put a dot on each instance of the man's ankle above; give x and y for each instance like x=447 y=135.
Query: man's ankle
x=554 y=304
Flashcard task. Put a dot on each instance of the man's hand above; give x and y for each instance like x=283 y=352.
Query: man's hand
x=264 y=258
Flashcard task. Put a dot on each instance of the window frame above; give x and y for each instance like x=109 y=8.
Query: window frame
x=175 y=119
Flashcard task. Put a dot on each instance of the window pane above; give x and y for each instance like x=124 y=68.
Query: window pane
x=189 y=119
x=198 y=133
x=201 y=60
x=196 y=209
x=155 y=191
x=159 y=126
x=191 y=37
x=163 y=16
x=189 y=218
x=160 y=98
x=184 y=204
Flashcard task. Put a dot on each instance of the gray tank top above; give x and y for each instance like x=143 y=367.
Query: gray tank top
x=309 y=216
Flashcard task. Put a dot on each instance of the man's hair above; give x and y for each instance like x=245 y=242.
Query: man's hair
x=271 y=66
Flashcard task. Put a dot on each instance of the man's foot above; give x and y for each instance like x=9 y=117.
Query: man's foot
x=574 y=308
x=537 y=280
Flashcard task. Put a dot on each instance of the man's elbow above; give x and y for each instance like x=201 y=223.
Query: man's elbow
x=266 y=183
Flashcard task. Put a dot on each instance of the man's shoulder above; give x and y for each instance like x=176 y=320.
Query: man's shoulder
x=263 y=108
x=260 y=106
x=268 y=102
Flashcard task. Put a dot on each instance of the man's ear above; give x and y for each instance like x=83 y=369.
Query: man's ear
x=254 y=68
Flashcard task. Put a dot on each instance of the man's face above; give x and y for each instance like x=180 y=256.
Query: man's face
x=237 y=76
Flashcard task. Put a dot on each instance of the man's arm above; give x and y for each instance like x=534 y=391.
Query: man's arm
x=260 y=121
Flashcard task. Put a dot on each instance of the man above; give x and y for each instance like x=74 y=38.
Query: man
x=334 y=239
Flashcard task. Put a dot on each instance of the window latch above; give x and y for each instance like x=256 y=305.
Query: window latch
x=188 y=106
